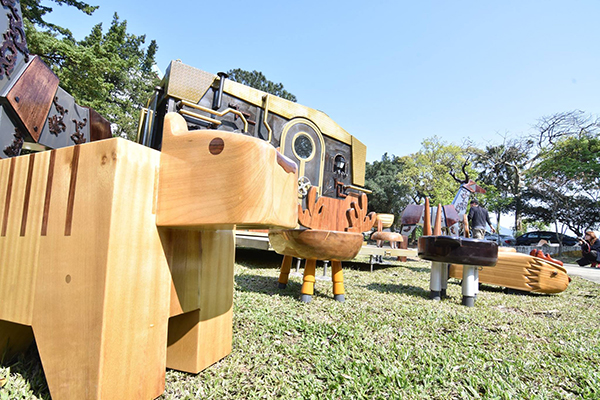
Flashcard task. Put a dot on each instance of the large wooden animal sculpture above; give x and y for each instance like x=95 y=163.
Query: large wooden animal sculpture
x=452 y=214
x=333 y=231
x=119 y=259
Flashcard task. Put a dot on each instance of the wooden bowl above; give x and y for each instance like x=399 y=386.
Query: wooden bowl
x=316 y=244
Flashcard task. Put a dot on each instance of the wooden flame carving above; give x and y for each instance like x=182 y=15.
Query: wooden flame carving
x=345 y=215
x=358 y=219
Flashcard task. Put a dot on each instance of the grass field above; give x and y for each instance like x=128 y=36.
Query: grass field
x=387 y=341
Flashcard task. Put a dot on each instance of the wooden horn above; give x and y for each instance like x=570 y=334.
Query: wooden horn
x=437 y=228
x=466 y=225
x=427 y=219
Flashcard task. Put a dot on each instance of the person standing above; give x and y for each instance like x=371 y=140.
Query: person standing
x=478 y=217
x=590 y=250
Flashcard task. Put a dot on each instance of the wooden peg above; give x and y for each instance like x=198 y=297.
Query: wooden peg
x=437 y=227
x=427 y=219
x=466 y=225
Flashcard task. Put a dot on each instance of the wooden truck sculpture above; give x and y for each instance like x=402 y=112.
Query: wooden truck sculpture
x=331 y=162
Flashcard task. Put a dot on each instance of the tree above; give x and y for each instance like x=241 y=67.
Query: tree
x=427 y=171
x=110 y=72
x=502 y=170
x=258 y=81
x=34 y=12
x=389 y=195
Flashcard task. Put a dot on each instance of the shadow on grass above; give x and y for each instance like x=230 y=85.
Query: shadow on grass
x=29 y=366
x=409 y=290
x=253 y=258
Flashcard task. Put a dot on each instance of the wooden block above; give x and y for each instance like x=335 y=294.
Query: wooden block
x=200 y=329
x=217 y=179
x=86 y=267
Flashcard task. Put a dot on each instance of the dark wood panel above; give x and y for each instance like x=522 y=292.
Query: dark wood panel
x=99 y=126
x=32 y=95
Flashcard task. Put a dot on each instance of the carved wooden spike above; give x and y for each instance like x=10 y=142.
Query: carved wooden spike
x=466 y=225
x=427 y=219
x=437 y=228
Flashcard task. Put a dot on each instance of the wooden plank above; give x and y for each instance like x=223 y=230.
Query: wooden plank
x=18 y=263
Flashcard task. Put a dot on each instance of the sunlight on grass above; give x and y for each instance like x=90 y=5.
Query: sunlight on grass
x=387 y=341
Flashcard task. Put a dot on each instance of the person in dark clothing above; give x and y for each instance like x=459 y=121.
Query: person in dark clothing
x=590 y=250
x=478 y=217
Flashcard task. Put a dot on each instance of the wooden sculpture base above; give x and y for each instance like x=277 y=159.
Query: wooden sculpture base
x=521 y=272
x=84 y=267
x=313 y=245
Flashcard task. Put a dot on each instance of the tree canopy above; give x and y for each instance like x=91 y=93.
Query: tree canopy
x=109 y=71
x=258 y=81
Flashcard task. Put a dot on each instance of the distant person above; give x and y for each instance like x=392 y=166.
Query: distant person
x=478 y=217
x=590 y=250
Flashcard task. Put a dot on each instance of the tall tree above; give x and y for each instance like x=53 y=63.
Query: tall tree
x=258 y=81
x=34 y=12
x=111 y=72
x=427 y=171
x=502 y=170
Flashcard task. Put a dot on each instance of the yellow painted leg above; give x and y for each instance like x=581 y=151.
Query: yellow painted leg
x=284 y=275
x=309 y=281
x=338 y=280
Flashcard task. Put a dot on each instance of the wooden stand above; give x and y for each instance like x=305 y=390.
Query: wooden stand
x=84 y=264
x=346 y=219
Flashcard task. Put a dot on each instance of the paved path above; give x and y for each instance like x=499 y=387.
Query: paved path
x=591 y=274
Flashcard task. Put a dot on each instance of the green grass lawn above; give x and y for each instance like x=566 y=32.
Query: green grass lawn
x=387 y=341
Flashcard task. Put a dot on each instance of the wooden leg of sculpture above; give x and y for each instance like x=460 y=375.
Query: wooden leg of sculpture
x=435 y=282
x=200 y=327
x=284 y=275
x=468 y=285
x=338 y=281
x=308 y=284
x=476 y=282
x=444 y=279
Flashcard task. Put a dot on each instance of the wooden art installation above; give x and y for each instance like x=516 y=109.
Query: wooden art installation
x=452 y=214
x=442 y=250
x=537 y=273
x=119 y=259
x=393 y=238
x=333 y=232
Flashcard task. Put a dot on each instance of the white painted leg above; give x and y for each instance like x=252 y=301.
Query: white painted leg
x=435 y=281
x=468 y=285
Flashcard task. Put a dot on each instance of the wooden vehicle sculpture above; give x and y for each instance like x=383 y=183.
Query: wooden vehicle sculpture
x=334 y=233
x=328 y=157
x=117 y=258
x=331 y=162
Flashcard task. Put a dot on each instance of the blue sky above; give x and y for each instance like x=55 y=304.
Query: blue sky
x=391 y=73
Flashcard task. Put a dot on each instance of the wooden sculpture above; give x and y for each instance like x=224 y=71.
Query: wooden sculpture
x=442 y=250
x=380 y=236
x=118 y=259
x=522 y=272
x=334 y=233
x=452 y=214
